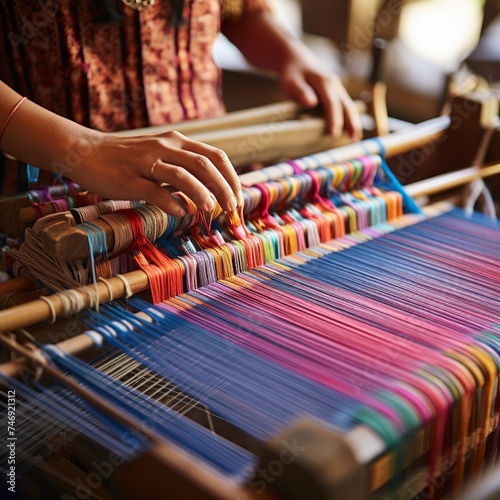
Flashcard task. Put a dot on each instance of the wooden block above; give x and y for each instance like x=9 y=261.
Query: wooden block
x=311 y=460
x=10 y=207
x=66 y=242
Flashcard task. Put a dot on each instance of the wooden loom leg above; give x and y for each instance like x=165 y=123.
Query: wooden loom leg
x=377 y=108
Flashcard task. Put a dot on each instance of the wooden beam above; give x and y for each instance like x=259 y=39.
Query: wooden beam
x=394 y=144
x=270 y=113
x=451 y=180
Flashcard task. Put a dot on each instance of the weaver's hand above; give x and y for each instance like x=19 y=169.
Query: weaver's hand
x=310 y=86
x=257 y=33
x=116 y=167
x=135 y=167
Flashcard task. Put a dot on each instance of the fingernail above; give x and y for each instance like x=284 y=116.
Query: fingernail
x=312 y=100
x=180 y=212
x=208 y=205
x=232 y=204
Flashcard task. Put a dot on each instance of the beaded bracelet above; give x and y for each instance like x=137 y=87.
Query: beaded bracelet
x=14 y=109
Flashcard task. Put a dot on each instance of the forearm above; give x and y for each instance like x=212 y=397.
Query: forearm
x=264 y=43
x=39 y=137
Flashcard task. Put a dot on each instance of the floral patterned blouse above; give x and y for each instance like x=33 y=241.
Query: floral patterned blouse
x=115 y=75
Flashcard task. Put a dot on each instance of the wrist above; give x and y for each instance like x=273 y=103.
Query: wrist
x=77 y=146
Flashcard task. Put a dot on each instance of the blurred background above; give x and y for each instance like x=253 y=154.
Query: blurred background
x=432 y=48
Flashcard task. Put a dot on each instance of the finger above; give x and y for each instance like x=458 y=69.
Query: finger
x=332 y=107
x=219 y=159
x=204 y=170
x=298 y=89
x=329 y=91
x=182 y=180
x=352 y=119
x=153 y=193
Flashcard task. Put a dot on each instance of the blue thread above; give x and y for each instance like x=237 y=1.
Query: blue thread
x=392 y=183
x=33 y=174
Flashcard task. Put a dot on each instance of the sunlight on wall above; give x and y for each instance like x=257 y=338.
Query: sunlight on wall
x=444 y=31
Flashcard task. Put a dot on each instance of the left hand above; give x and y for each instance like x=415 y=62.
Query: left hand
x=311 y=85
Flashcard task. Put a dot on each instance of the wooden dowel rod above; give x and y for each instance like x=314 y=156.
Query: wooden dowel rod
x=267 y=133
x=39 y=311
x=285 y=149
x=394 y=144
x=451 y=180
x=262 y=142
x=269 y=113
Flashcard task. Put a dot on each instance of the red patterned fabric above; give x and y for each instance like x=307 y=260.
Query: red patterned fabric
x=113 y=75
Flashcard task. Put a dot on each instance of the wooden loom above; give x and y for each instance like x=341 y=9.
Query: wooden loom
x=361 y=452
x=258 y=135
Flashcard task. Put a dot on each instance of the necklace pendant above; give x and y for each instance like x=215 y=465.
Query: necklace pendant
x=139 y=4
